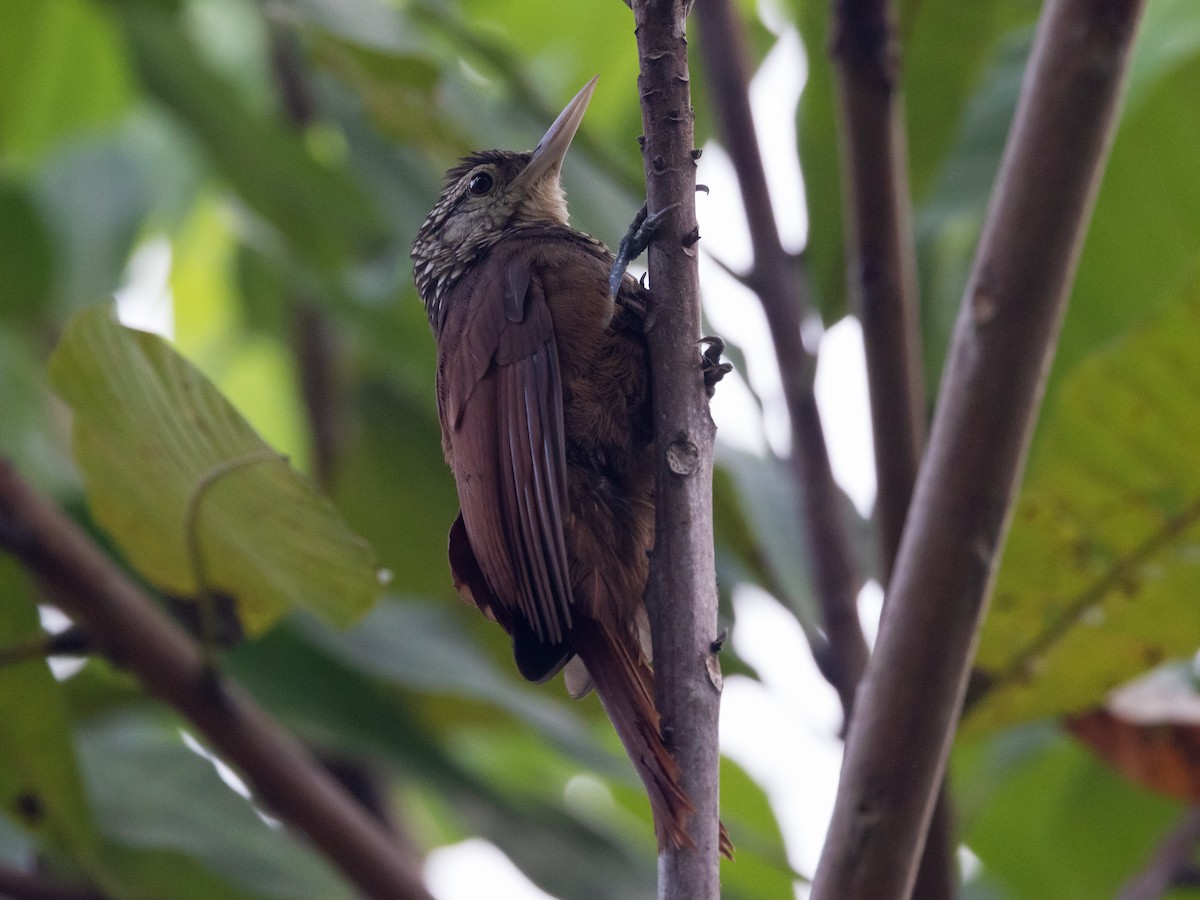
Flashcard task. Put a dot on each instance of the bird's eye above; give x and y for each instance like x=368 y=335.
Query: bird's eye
x=480 y=184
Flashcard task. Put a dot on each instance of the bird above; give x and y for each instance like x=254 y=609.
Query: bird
x=543 y=394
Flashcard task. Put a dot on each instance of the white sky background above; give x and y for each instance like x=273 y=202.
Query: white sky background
x=782 y=730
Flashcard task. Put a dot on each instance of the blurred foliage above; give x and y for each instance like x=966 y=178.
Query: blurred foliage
x=146 y=151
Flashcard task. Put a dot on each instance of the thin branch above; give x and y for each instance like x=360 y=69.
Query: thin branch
x=17 y=885
x=1003 y=343
x=882 y=265
x=1171 y=858
x=880 y=252
x=314 y=347
x=683 y=585
x=124 y=623
x=784 y=297
x=313 y=340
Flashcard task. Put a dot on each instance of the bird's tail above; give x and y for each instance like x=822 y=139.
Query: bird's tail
x=625 y=685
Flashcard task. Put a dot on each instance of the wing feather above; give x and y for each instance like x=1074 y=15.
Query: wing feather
x=501 y=406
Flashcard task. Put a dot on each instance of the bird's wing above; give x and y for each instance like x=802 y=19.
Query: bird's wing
x=500 y=400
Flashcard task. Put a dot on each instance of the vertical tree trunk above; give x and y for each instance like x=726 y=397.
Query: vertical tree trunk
x=683 y=590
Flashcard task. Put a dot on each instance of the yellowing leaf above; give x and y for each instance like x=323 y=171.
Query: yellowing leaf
x=1100 y=577
x=154 y=438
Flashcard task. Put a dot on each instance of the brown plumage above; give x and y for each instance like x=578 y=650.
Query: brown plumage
x=543 y=394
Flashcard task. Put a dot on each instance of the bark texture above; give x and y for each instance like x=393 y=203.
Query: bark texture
x=683 y=591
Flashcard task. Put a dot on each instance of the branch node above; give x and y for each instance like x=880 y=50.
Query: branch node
x=683 y=456
x=712 y=666
x=983 y=306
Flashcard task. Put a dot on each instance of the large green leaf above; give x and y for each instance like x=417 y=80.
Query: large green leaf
x=155 y=439
x=1047 y=819
x=1145 y=233
x=167 y=814
x=40 y=786
x=761 y=869
x=400 y=493
x=1145 y=230
x=950 y=217
x=93 y=196
x=945 y=51
x=421 y=646
x=774 y=551
x=477 y=776
x=321 y=209
x=1101 y=572
x=27 y=262
x=62 y=72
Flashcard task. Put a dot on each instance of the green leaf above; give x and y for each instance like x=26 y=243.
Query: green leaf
x=94 y=196
x=322 y=211
x=422 y=647
x=153 y=437
x=949 y=219
x=761 y=869
x=946 y=48
x=159 y=802
x=1101 y=571
x=27 y=260
x=62 y=72
x=1145 y=230
x=318 y=689
x=1144 y=237
x=764 y=533
x=1047 y=819
x=40 y=785
x=400 y=492
x=396 y=89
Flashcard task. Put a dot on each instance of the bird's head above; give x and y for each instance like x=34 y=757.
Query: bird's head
x=488 y=193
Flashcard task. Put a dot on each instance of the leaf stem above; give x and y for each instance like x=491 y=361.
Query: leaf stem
x=191 y=535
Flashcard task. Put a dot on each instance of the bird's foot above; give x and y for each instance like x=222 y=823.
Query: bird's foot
x=710 y=365
x=640 y=235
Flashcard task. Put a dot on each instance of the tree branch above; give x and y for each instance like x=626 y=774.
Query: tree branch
x=125 y=624
x=784 y=297
x=1004 y=338
x=312 y=339
x=880 y=253
x=882 y=265
x=1173 y=855
x=683 y=586
x=17 y=885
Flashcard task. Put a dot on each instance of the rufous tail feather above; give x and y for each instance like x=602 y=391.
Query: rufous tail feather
x=625 y=685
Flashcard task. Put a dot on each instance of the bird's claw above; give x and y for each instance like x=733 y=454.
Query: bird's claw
x=711 y=365
x=641 y=233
